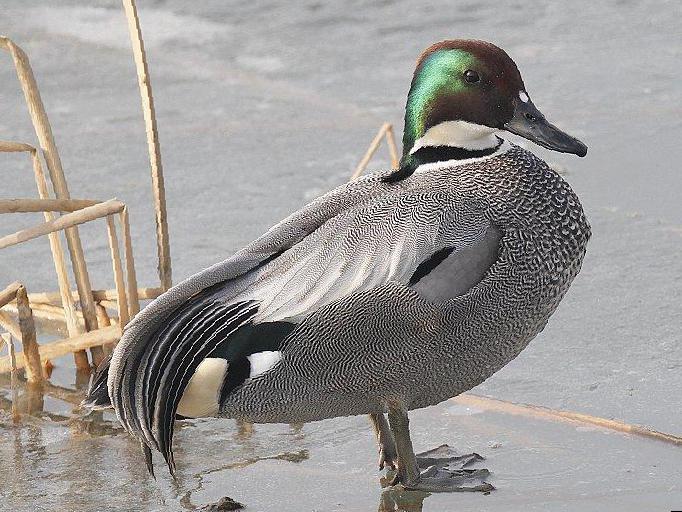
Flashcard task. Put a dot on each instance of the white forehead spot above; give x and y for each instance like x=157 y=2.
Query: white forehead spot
x=523 y=96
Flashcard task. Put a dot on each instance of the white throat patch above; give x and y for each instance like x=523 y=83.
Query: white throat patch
x=461 y=134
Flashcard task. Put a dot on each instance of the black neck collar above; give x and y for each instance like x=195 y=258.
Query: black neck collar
x=431 y=154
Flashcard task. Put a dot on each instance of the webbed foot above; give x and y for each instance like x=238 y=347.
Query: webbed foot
x=444 y=456
x=438 y=470
x=445 y=479
x=442 y=470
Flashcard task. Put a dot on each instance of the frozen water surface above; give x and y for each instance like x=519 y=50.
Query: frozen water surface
x=263 y=106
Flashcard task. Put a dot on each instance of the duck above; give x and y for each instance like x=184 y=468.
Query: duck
x=391 y=293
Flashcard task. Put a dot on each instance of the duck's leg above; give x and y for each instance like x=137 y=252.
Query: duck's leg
x=408 y=470
x=388 y=457
x=441 y=456
x=438 y=477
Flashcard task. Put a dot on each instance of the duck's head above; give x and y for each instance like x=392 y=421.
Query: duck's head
x=462 y=92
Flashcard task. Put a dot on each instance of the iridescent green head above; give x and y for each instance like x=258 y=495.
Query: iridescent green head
x=462 y=92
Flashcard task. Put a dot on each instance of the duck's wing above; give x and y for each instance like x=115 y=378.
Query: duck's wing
x=400 y=238
x=330 y=250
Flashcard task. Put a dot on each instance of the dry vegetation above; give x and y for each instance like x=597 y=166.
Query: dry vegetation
x=94 y=319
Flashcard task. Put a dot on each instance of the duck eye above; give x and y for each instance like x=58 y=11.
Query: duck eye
x=471 y=76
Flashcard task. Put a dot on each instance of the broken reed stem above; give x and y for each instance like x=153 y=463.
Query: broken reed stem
x=68 y=345
x=56 y=311
x=49 y=312
x=44 y=205
x=118 y=272
x=99 y=295
x=131 y=276
x=43 y=131
x=9 y=293
x=392 y=148
x=8 y=146
x=104 y=321
x=103 y=316
x=374 y=145
x=65 y=221
x=153 y=146
x=34 y=372
x=7 y=338
x=9 y=325
x=539 y=412
x=109 y=304
x=82 y=210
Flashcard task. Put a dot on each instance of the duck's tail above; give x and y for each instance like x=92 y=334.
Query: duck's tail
x=98 y=393
x=151 y=367
x=162 y=347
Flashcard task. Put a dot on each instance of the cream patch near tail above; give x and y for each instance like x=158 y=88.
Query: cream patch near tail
x=201 y=394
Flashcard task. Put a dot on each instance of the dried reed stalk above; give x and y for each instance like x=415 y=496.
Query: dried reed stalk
x=74 y=326
x=48 y=312
x=144 y=82
x=64 y=222
x=71 y=396
x=102 y=315
x=66 y=346
x=122 y=298
x=109 y=304
x=9 y=293
x=385 y=132
x=43 y=131
x=131 y=276
x=9 y=325
x=104 y=321
x=29 y=344
x=538 y=412
x=91 y=213
x=7 y=146
x=44 y=205
x=7 y=338
x=392 y=149
x=99 y=295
